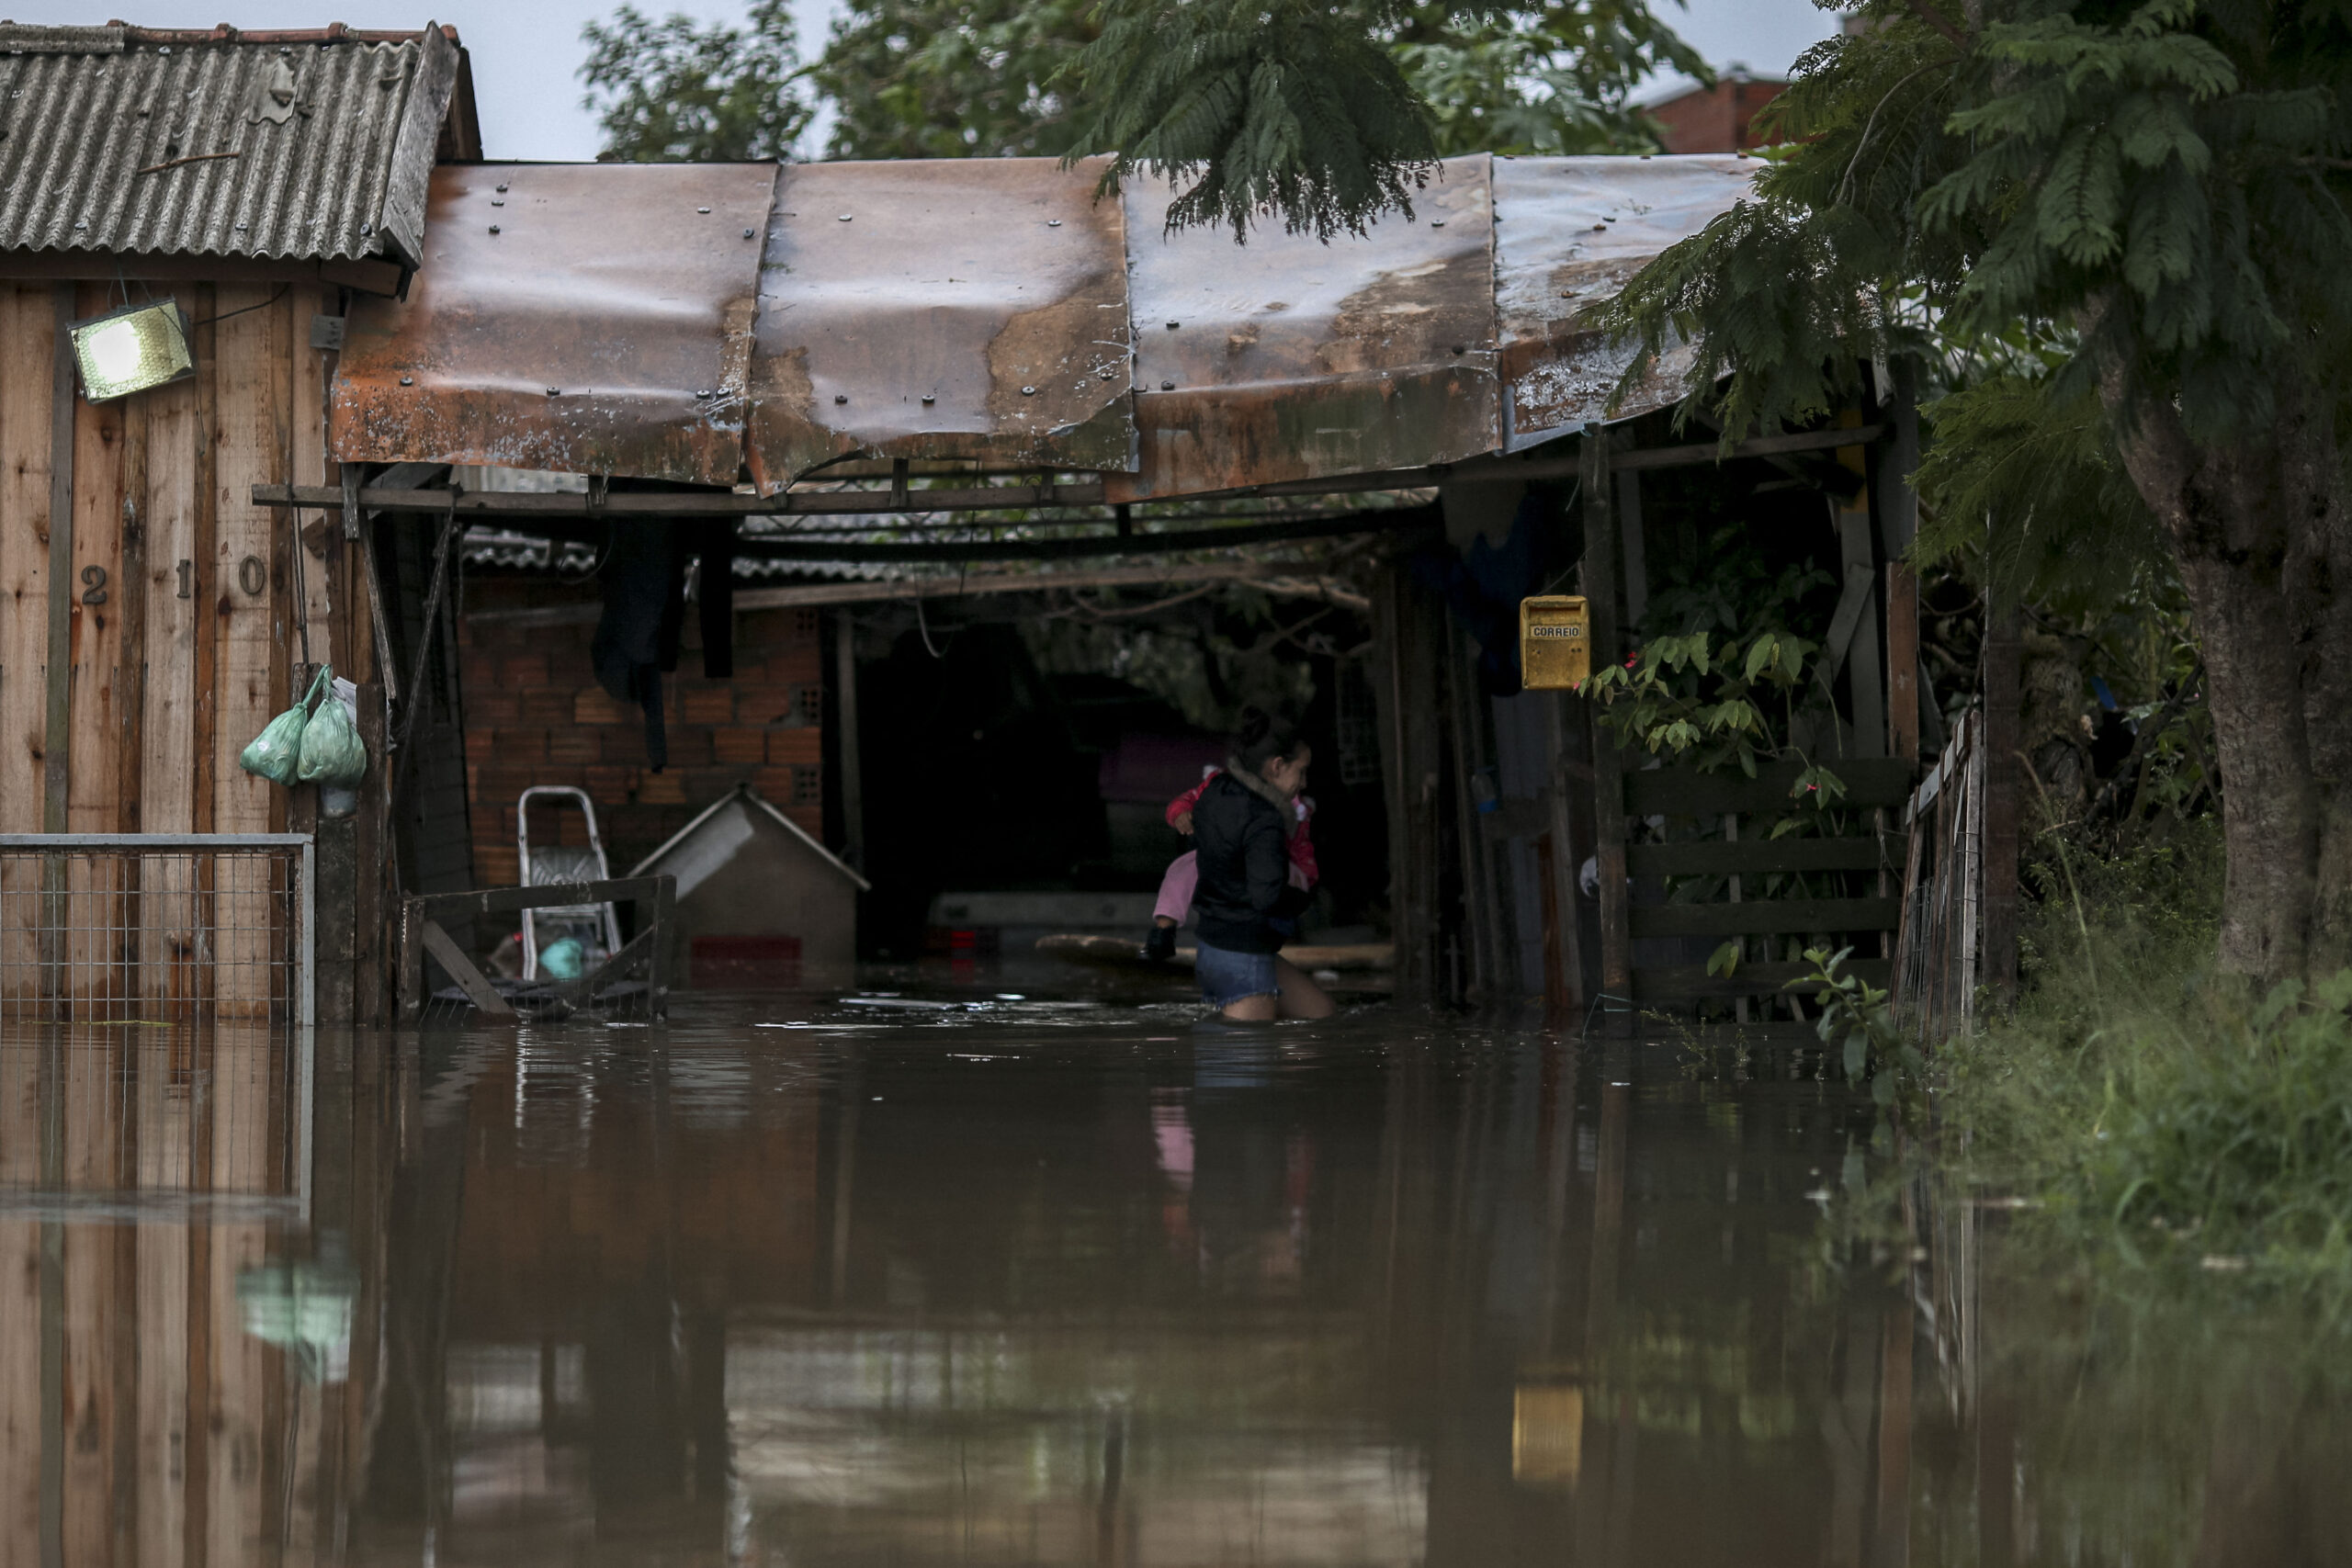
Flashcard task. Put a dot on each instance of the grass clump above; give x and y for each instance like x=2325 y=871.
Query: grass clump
x=2160 y=1110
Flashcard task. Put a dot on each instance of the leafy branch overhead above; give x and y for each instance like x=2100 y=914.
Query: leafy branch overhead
x=1323 y=116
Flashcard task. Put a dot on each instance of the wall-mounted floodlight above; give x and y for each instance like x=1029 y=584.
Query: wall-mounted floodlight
x=131 y=349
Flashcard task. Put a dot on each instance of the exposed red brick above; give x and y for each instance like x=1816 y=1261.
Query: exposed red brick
x=573 y=744
x=707 y=704
x=547 y=708
x=594 y=704
x=667 y=788
x=806 y=744
x=486 y=705
x=739 y=743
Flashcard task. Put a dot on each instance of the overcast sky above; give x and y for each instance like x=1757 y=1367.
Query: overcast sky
x=525 y=51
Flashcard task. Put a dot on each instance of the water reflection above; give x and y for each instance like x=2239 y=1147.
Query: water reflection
x=1102 y=1291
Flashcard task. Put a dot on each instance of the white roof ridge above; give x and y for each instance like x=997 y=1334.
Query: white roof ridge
x=644 y=867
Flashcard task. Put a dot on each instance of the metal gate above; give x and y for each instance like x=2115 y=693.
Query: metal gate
x=195 y=928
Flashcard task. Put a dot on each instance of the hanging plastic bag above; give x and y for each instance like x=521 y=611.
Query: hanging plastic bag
x=331 y=752
x=275 y=753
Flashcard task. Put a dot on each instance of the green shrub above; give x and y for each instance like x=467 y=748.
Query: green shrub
x=2159 y=1112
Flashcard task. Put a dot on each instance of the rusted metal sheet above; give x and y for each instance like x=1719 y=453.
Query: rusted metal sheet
x=972 y=308
x=1287 y=358
x=584 y=317
x=278 y=146
x=1573 y=232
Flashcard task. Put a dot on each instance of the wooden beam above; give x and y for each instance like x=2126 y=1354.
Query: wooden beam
x=519 y=504
x=1609 y=792
x=1769 y=917
x=1681 y=792
x=542 y=895
x=1690 y=982
x=1753 y=857
x=814 y=595
x=847 y=763
x=480 y=992
x=1759 y=446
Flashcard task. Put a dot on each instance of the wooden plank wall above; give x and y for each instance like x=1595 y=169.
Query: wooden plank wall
x=189 y=613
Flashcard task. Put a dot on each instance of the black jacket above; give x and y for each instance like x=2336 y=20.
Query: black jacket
x=1242 y=839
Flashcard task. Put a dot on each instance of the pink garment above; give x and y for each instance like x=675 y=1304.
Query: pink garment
x=1176 y=888
x=1183 y=874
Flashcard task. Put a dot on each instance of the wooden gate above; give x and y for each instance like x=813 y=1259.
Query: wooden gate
x=1711 y=871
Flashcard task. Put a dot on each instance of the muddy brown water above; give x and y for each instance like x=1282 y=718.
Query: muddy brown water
x=934 y=1275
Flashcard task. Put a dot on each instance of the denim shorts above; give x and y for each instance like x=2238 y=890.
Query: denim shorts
x=1229 y=978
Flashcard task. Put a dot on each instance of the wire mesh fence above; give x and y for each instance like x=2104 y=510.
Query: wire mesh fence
x=195 y=928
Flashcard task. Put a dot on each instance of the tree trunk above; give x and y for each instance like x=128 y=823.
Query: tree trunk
x=2258 y=529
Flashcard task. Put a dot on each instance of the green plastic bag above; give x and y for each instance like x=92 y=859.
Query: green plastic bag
x=275 y=753
x=332 y=752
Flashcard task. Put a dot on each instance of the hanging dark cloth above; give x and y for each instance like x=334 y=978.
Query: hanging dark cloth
x=640 y=580
x=709 y=543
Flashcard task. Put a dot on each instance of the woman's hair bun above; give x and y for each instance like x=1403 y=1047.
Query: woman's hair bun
x=1261 y=736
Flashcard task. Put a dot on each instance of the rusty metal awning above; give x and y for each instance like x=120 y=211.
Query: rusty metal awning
x=705 y=324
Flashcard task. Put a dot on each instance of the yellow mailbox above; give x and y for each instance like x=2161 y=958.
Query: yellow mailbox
x=1555 y=643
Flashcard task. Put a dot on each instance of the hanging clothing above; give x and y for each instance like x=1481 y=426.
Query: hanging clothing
x=640 y=584
x=636 y=641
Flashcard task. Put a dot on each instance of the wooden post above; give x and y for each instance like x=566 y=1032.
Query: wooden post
x=1865 y=680
x=1476 y=864
x=2004 y=802
x=845 y=741
x=1902 y=662
x=1406 y=696
x=1563 y=993
x=374 y=910
x=1609 y=790
x=57 y=746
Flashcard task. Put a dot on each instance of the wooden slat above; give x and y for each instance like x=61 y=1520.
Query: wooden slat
x=93 y=691
x=163 y=1314
x=461 y=969
x=1768 y=917
x=1718 y=857
x=1690 y=982
x=236 y=1392
x=1680 y=792
x=20 y=1379
x=93 y=1295
x=25 y=342
x=250 y=417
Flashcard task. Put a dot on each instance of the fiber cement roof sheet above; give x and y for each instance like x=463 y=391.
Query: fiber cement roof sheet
x=270 y=147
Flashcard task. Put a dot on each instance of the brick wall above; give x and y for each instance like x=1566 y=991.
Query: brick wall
x=536 y=716
x=1716 y=120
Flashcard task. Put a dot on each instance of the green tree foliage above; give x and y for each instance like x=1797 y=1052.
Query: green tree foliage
x=1543 y=80
x=2150 y=198
x=674 y=92
x=922 y=79
x=1321 y=116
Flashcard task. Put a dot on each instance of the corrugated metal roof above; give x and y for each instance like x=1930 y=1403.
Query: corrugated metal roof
x=969 y=309
x=1288 y=358
x=1579 y=229
x=270 y=147
x=586 y=317
x=1461 y=330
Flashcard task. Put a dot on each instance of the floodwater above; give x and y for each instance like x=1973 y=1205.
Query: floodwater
x=934 y=1277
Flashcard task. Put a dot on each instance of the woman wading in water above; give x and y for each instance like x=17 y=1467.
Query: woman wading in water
x=1242 y=828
